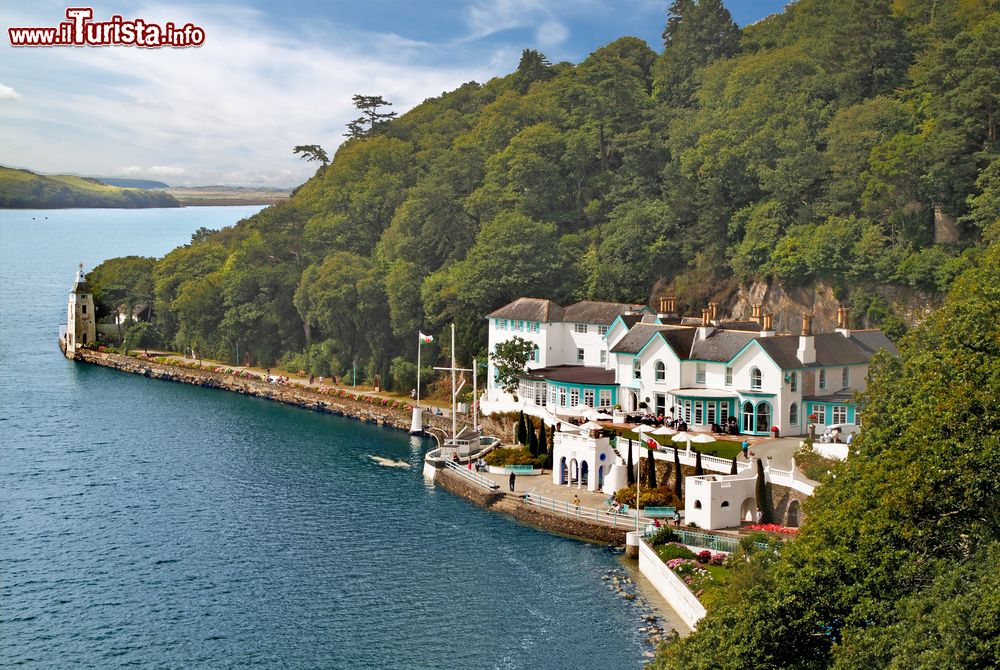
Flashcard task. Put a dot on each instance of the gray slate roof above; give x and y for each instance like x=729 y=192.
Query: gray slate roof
x=873 y=340
x=530 y=309
x=603 y=313
x=721 y=345
x=579 y=374
x=831 y=348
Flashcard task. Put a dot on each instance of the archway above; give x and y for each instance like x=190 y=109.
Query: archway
x=584 y=473
x=747 y=509
x=562 y=470
x=793 y=514
x=633 y=401
x=763 y=417
x=574 y=471
x=600 y=477
x=747 y=417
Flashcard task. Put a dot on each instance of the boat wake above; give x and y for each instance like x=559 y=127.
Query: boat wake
x=389 y=463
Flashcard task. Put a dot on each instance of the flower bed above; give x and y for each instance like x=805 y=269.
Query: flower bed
x=700 y=572
x=772 y=528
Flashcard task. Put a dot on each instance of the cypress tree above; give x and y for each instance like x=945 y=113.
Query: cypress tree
x=761 y=494
x=550 y=439
x=698 y=470
x=733 y=470
x=630 y=467
x=542 y=441
x=678 y=482
x=522 y=433
x=650 y=470
x=532 y=437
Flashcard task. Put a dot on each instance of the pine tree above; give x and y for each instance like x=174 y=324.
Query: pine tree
x=761 y=494
x=542 y=441
x=522 y=433
x=698 y=470
x=678 y=481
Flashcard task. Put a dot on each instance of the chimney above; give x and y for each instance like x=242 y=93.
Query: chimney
x=766 y=329
x=843 y=321
x=807 y=342
x=663 y=304
x=668 y=307
x=713 y=311
x=705 y=329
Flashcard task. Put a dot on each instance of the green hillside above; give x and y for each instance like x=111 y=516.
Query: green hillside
x=848 y=143
x=22 y=189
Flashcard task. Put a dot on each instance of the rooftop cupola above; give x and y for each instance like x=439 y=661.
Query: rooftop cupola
x=807 y=342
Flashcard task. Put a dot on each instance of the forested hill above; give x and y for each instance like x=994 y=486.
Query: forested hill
x=23 y=189
x=845 y=142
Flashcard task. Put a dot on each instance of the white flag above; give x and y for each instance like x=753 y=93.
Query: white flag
x=426 y=338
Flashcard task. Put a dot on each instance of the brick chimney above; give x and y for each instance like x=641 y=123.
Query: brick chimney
x=668 y=307
x=807 y=342
x=705 y=329
x=767 y=329
x=843 y=321
x=713 y=312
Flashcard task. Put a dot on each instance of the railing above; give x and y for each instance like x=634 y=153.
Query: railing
x=616 y=519
x=705 y=540
x=472 y=476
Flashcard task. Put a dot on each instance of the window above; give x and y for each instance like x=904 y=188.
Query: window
x=541 y=394
x=605 y=398
x=723 y=412
x=84 y=308
x=637 y=369
x=534 y=355
x=822 y=379
x=793 y=380
x=661 y=371
x=838 y=414
x=820 y=412
x=553 y=395
x=793 y=414
x=756 y=379
x=699 y=373
x=562 y=396
x=687 y=411
x=763 y=417
x=534 y=327
x=845 y=374
x=574 y=397
x=602 y=330
x=729 y=376
x=604 y=357
x=501 y=324
x=711 y=412
x=581 y=328
x=699 y=412
x=588 y=397
x=579 y=355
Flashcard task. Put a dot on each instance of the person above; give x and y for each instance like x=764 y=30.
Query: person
x=757 y=516
x=677 y=517
x=512 y=478
x=454 y=457
x=850 y=439
x=656 y=522
x=746 y=448
x=576 y=501
x=616 y=507
x=413 y=393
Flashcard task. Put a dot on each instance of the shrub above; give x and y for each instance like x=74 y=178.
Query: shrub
x=717 y=559
x=510 y=456
x=663 y=536
x=674 y=550
x=704 y=556
x=661 y=497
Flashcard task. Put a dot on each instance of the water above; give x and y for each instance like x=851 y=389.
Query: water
x=157 y=525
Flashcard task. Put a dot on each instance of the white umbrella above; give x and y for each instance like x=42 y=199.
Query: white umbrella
x=663 y=430
x=601 y=416
x=693 y=437
x=589 y=426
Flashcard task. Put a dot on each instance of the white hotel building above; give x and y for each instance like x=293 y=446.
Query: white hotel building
x=705 y=371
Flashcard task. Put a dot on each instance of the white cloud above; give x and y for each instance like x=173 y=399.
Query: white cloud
x=7 y=94
x=151 y=171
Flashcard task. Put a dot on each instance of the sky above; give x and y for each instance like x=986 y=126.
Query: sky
x=273 y=74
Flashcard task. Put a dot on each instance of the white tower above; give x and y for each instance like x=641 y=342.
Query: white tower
x=81 y=325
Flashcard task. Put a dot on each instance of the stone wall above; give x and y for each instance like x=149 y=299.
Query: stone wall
x=290 y=394
x=780 y=499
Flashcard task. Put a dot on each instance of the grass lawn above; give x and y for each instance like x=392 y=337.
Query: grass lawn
x=720 y=448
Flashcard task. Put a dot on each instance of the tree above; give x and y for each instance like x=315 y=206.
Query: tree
x=371 y=119
x=521 y=433
x=534 y=66
x=734 y=469
x=630 y=467
x=650 y=469
x=120 y=285
x=698 y=469
x=760 y=493
x=312 y=152
x=510 y=360
x=678 y=479
x=532 y=436
x=542 y=440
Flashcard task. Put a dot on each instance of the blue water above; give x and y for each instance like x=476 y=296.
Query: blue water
x=156 y=525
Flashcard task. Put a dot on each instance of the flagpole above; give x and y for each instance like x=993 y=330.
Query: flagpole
x=420 y=342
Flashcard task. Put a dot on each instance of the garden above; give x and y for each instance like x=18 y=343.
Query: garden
x=702 y=572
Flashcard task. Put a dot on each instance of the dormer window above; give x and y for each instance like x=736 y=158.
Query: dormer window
x=845 y=378
x=793 y=381
x=756 y=379
x=822 y=379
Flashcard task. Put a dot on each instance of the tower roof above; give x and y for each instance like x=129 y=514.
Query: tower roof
x=80 y=283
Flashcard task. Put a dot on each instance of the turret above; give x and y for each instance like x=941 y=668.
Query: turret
x=81 y=323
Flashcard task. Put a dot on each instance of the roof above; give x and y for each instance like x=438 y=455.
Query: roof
x=530 y=309
x=80 y=286
x=783 y=350
x=843 y=395
x=702 y=393
x=831 y=348
x=873 y=340
x=639 y=336
x=591 y=311
x=574 y=374
x=835 y=349
x=721 y=345
x=741 y=325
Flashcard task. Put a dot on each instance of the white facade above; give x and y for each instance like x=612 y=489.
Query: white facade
x=81 y=328
x=720 y=501
x=581 y=460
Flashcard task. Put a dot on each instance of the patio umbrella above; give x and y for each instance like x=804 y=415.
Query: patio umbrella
x=589 y=426
x=601 y=416
x=663 y=430
x=693 y=437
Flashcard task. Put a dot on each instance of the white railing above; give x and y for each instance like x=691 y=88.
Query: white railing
x=708 y=462
x=625 y=520
x=472 y=476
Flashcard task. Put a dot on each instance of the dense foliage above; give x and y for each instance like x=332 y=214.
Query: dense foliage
x=834 y=143
x=21 y=189
x=895 y=566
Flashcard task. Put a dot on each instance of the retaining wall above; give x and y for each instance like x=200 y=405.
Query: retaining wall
x=670 y=586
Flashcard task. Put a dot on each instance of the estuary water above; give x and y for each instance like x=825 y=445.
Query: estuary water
x=157 y=525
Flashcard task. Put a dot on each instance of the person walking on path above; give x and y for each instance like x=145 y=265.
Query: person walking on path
x=576 y=503
x=746 y=448
x=512 y=478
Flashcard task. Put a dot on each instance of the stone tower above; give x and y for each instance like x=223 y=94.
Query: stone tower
x=81 y=323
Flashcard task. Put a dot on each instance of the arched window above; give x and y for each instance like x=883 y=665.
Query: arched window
x=636 y=369
x=661 y=371
x=763 y=417
x=747 y=417
x=725 y=503
x=793 y=379
x=793 y=414
x=697 y=504
x=845 y=378
x=756 y=379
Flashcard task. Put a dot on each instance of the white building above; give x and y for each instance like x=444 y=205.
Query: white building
x=706 y=372
x=81 y=328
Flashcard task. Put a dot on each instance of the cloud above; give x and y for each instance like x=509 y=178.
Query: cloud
x=151 y=171
x=7 y=94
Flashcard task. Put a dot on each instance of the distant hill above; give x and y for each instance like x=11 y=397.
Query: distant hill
x=191 y=196
x=25 y=189
x=132 y=183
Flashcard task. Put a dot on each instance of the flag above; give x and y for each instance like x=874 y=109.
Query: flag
x=652 y=444
x=426 y=338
